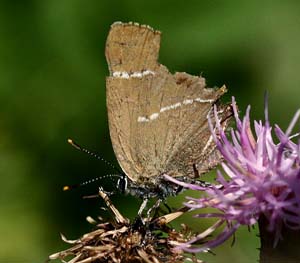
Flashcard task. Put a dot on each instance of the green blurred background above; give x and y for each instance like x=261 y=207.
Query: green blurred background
x=52 y=86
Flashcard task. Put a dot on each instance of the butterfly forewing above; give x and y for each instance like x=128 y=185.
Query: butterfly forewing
x=157 y=120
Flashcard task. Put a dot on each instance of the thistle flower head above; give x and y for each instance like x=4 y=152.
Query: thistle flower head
x=122 y=241
x=264 y=177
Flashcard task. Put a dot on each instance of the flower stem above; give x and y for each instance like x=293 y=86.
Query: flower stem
x=286 y=250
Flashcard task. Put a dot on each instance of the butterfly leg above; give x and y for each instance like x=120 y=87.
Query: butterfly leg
x=168 y=207
x=139 y=221
x=142 y=207
x=153 y=208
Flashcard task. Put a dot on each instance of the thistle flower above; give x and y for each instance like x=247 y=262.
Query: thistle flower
x=264 y=179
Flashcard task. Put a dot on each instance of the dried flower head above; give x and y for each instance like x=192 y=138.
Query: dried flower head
x=264 y=178
x=121 y=241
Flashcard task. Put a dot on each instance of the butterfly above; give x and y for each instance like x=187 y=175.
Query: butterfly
x=157 y=120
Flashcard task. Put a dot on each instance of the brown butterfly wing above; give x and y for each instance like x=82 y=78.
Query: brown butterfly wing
x=193 y=148
x=158 y=121
x=130 y=48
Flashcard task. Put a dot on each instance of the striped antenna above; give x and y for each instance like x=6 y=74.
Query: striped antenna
x=78 y=147
x=93 y=180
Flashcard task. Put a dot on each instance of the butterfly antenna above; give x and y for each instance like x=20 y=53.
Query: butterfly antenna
x=93 y=180
x=78 y=147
